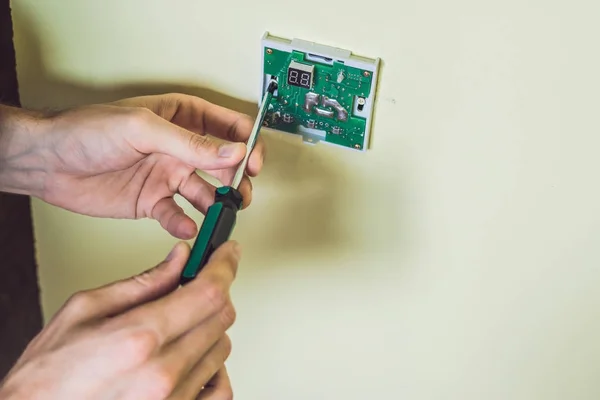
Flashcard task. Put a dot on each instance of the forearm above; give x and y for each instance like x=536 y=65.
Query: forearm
x=21 y=162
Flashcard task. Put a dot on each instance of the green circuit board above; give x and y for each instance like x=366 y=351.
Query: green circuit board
x=322 y=99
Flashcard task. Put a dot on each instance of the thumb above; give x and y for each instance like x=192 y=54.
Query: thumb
x=200 y=151
x=121 y=296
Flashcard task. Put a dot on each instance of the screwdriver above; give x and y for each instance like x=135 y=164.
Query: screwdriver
x=221 y=215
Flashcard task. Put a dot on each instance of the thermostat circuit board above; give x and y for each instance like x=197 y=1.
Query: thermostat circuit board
x=323 y=94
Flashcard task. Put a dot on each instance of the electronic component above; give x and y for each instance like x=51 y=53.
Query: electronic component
x=342 y=114
x=324 y=94
x=310 y=101
x=361 y=103
x=324 y=113
x=300 y=75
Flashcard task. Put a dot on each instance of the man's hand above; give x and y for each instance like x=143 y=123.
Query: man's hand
x=128 y=159
x=136 y=339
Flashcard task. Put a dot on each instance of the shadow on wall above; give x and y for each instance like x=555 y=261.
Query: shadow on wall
x=315 y=185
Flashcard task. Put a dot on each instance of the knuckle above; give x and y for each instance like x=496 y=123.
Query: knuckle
x=138 y=117
x=228 y=315
x=138 y=345
x=227 y=346
x=145 y=279
x=199 y=142
x=142 y=113
x=162 y=382
x=233 y=264
x=228 y=258
x=78 y=304
x=216 y=295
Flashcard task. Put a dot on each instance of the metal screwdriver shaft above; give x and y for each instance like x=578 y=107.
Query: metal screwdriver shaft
x=221 y=216
x=237 y=179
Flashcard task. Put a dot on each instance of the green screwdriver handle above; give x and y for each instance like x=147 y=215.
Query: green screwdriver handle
x=221 y=216
x=216 y=229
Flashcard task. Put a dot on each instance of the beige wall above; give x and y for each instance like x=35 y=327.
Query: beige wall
x=458 y=259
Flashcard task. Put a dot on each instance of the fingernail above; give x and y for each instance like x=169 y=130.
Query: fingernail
x=172 y=253
x=229 y=149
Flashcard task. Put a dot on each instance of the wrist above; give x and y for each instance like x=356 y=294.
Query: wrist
x=22 y=167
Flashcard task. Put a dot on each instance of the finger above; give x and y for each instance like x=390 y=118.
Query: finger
x=218 y=388
x=204 y=370
x=245 y=190
x=153 y=134
x=201 y=116
x=255 y=164
x=173 y=219
x=192 y=304
x=198 y=192
x=196 y=114
x=118 y=297
x=226 y=177
x=181 y=355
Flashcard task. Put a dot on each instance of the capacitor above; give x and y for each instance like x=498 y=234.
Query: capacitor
x=361 y=103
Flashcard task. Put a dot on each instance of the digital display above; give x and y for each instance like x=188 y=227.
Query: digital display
x=300 y=78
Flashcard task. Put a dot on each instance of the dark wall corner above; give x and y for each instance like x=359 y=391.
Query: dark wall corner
x=20 y=310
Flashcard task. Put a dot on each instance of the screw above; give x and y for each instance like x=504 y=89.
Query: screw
x=269 y=51
x=357 y=146
x=367 y=74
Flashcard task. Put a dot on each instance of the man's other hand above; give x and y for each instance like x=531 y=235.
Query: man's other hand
x=135 y=339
